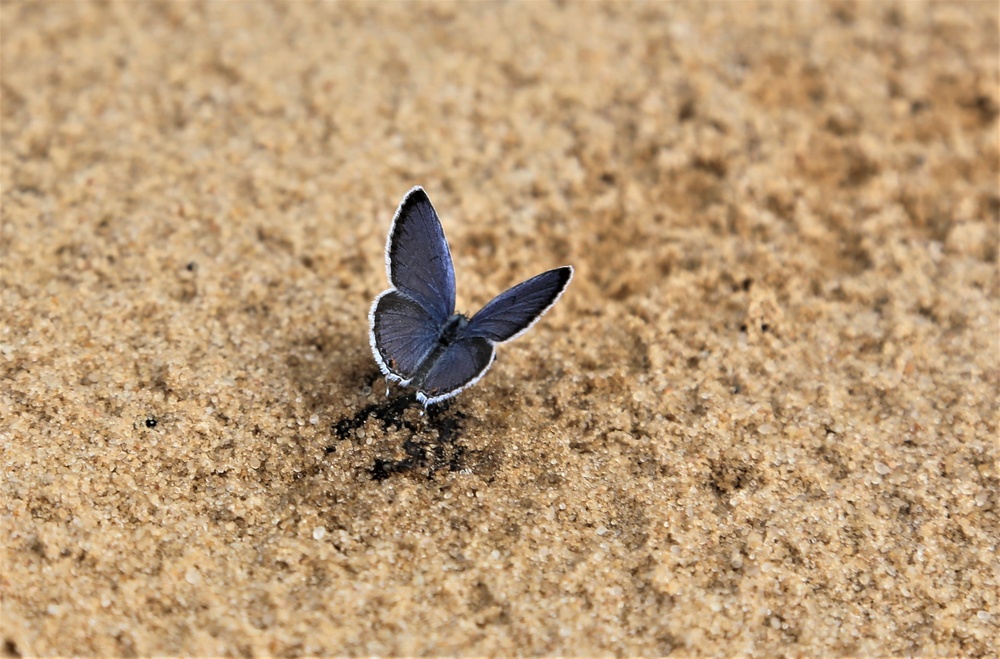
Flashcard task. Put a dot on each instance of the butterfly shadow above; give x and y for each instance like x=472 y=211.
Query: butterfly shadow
x=431 y=441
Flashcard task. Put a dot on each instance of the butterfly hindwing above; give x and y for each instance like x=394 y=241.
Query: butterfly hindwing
x=515 y=310
x=403 y=334
x=457 y=366
x=418 y=260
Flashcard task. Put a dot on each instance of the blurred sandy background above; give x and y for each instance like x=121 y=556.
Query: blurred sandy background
x=762 y=420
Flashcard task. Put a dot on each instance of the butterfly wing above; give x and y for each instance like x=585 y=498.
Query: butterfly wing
x=402 y=334
x=417 y=258
x=514 y=311
x=457 y=366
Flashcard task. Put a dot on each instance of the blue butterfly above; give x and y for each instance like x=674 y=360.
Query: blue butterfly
x=417 y=338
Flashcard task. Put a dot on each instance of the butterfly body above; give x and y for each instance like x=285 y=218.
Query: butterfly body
x=416 y=336
x=453 y=328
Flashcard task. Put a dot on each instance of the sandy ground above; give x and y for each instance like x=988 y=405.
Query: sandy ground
x=762 y=420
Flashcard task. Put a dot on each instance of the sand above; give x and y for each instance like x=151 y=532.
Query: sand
x=762 y=420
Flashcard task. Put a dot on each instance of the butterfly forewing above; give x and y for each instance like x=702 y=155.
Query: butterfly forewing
x=403 y=334
x=516 y=309
x=418 y=259
x=457 y=366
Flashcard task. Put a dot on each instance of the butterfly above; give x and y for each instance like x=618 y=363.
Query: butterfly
x=417 y=338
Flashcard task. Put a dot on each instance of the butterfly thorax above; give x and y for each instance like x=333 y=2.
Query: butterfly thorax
x=452 y=328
